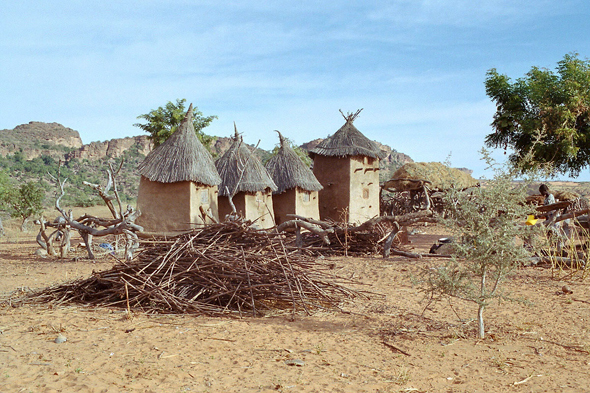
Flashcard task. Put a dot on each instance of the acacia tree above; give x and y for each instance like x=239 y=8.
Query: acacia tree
x=162 y=122
x=544 y=117
x=485 y=223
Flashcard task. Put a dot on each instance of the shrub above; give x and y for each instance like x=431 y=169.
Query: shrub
x=487 y=224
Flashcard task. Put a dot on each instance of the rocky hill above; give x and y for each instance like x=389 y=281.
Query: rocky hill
x=36 y=139
x=29 y=150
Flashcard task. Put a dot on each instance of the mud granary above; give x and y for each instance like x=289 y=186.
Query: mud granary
x=297 y=186
x=347 y=166
x=179 y=183
x=246 y=181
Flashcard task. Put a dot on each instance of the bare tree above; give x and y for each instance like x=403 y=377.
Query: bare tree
x=121 y=223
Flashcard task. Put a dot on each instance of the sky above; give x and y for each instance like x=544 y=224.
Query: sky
x=416 y=67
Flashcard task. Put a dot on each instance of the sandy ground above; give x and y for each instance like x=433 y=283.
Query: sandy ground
x=384 y=344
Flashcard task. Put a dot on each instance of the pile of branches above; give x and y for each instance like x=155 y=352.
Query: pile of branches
x=225 y=268
x=375 y=236
x=394 y=203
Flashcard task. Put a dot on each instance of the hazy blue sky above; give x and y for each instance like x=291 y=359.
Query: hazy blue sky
x=417 y=67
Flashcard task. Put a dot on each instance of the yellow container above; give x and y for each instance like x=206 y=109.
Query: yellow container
x=531 y=220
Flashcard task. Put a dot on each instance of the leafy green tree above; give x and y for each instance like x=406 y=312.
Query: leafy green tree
x=485 y=224
x=544 y=115
x=26 y=201
x=162 y=122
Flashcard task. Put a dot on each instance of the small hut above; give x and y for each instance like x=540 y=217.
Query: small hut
x=245 y=183
x=297 y=187
x=439 y=177
x=405 y=191
x=178 y=185
x=347 y=166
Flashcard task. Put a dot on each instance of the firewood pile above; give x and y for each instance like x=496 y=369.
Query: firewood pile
x=225 y=268
x=342 y=242
x=375 y=236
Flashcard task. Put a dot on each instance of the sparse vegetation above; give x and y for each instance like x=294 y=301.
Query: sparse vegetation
x=302 y=153
x=77 y=171
x=486 y=224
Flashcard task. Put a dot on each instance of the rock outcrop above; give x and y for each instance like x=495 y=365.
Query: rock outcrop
x=113 y=148
x=53 y=133
x=38 y=138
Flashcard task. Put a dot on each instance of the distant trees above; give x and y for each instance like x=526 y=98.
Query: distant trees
x=162 y=122
x=544 y=116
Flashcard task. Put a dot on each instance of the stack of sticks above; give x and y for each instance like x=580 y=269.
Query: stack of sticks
x=225 y=268
x=342 y=242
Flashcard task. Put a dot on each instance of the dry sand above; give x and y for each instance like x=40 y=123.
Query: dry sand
x=380 y=345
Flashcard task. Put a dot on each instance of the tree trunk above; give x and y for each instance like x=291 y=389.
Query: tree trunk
x=131 y=244
x=87 y=241
x=482 y=304
x=389 y=240
x=65 y=244
x=49 y=241
x=480 y=321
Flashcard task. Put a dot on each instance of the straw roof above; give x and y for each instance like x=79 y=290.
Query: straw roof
x=438 y=176
x=566 y=195
x=288 y=171
x=237 y=159
x=348 y=141
x=182 y=157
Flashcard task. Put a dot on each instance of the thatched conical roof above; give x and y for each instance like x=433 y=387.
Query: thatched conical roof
x=348 y=141
x=413 y=175
x=239 y=161
x=288 y=171
x=182 y=157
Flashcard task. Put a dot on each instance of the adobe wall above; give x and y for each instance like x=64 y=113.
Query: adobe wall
x=225 y=208
x=168 y=207
x=283 y=204
x=259 y=208
x=206 y=197
x=334 y=174
x=307 y=204
x=364 y=189
x=164 y=207
x=251 y=206
x=295 y=201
